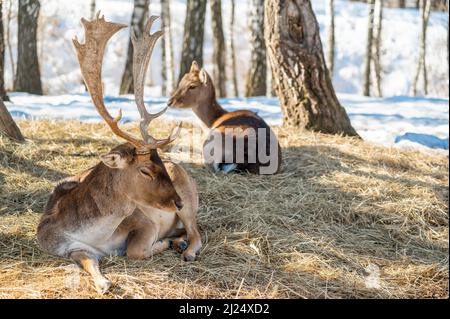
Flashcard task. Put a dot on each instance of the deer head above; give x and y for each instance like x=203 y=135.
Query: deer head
x=136 y=166
x=195 y=89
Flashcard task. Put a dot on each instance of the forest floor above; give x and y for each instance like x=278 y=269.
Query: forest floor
x=344 y=219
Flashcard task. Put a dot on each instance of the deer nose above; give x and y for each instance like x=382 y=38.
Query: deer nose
x=179 y=204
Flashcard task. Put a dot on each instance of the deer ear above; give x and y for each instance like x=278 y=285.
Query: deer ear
x=114 y=160
x=195 y=67
x=204 y=76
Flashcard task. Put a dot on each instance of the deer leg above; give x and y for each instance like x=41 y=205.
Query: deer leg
x=180 y=244
x=90 y=264
x=143 y=243
x=192 y=234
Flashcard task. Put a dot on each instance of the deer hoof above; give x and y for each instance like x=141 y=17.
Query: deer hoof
x=188 y=257
x=182 y=245
x=102 y=286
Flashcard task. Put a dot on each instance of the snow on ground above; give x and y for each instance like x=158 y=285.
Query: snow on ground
x=406 y=122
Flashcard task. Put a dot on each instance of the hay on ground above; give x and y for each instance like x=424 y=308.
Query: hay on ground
x=344 y=219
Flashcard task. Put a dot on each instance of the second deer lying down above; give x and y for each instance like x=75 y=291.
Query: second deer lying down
x=237 y=141
x=131 y=203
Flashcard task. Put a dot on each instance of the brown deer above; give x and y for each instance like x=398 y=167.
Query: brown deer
x=235 y=138
x=131 y=202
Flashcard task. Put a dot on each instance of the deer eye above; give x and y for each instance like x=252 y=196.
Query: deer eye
x=192 y=87
x=146 y=172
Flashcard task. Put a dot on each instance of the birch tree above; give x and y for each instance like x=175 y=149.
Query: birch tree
x=219 y=54
x=138 y=18
x=28 y=75
x=331 y=36
x=194 y=29
x=168 y=67
x=233 y=50
x=369 y=45
x=256 y=81
x=3 y=95
x=425 y=10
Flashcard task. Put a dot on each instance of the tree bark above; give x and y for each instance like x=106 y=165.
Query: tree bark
x=138 y=18
x=194 y=29
x=369 y=45
x=7 y=124
x=303 y=83
x=256 y=82
x=92 y=10
x=168 y=67
x=219 y=55
x=3 y=94
x=425 y=9
x=233 y=50
x=377 y=45
x=8 y=42
x=28 y=76
x=331 y=36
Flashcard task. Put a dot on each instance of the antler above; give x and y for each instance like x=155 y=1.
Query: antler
x=143 y=48
x=90 y=57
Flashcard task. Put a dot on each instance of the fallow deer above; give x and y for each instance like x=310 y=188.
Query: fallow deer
x=252 y=145
x=131 y=202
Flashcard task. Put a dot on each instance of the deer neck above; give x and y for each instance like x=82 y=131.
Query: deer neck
x=209 y=112
x=107 y=191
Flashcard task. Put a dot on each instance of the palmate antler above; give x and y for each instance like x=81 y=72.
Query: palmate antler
x=142 y=52
x=90 y=57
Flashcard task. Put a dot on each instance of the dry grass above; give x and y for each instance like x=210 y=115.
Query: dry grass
x=341 y=212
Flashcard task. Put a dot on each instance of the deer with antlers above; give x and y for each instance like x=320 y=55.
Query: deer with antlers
x=131 y=202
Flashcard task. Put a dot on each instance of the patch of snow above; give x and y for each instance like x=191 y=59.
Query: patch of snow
x=406 y=122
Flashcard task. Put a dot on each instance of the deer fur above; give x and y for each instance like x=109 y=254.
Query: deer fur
x=196 y=91
x=115 y=208
x=131 y=202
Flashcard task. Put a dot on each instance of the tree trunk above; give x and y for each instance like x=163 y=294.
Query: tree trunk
x=3 y=95
x=425 y=9
x=256 y=82
x=331 y=36
x=92 y=10
x=303 y=83
x=233 y=50
x=377 y=45
x=194 y=29
x=219 y=56
x=8 y=42
x=28 y=76
x=369 y=45
x=168 y=67
x=138 y=18
x=7 y=124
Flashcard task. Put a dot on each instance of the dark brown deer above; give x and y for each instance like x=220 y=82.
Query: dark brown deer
x=237 y=141
x=131 y=203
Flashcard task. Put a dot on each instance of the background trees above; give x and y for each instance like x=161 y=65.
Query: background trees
x=194 y=29
x=3 y=95
x=331 y=36
x=425 y=9
x=257 y=74
x=240 y=62
x=302 y=80
x=168 y=67
x=233 y=50
x=219 y=55
x=140 y=12
x=28 y=76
